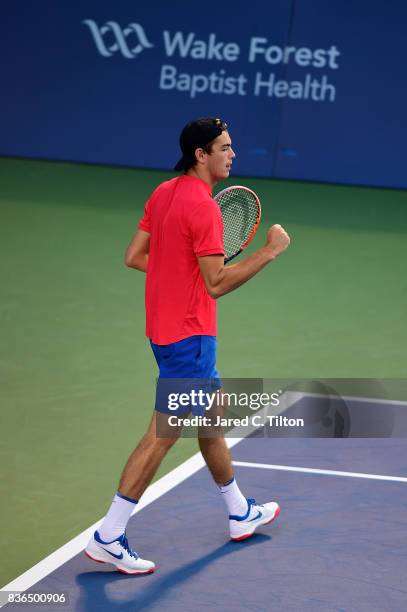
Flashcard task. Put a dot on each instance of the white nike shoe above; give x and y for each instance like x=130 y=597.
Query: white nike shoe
x=119 y=553
x=242 y=527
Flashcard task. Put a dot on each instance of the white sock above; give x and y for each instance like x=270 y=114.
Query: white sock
x=234 y=498
x=115 y=521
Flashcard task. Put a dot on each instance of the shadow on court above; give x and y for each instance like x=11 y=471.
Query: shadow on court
x=94 y=586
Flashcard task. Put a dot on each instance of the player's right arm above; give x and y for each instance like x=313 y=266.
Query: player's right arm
x=220 y=279
x=137 y=252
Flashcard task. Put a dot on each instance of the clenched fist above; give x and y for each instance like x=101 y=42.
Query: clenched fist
x=277 y=239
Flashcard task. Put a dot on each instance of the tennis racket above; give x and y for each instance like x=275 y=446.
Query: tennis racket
x=241 y=212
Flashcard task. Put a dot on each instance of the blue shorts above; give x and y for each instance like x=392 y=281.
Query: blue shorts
x=186 y=367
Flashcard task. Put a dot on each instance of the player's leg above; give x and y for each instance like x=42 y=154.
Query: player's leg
x=109 y=544
x=145 y=461
x=245 y=515
x=210 y=437
x=136 y=476
x=174 y=362
x=217 y=457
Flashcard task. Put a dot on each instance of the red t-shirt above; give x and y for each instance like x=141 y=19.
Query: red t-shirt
x=184 y=223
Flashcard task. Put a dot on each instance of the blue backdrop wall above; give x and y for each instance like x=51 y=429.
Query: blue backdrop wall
x=311 y=89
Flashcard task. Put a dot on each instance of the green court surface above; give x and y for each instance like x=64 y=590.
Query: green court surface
x=77 y=376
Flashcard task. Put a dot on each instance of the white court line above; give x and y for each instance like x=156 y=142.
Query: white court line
x=77 y=544
x=289 y=468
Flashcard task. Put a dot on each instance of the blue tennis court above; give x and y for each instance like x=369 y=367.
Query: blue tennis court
x=340 y=542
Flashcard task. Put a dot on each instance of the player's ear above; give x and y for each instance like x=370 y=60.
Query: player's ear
x=200 y=155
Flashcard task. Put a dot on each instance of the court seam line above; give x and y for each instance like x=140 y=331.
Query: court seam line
x=289 y=468
x=355 y=398
x=67 y=551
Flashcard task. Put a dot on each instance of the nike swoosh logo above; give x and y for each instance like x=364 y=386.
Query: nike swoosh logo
x=113 y=555
x=259 y=514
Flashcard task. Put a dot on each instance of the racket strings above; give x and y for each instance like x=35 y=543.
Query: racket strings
x=240 y=214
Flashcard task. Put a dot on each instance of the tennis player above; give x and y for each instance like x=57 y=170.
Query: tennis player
x=179 y=244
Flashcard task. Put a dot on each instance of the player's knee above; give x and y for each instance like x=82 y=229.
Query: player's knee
x=155 y=441
x=166 y=443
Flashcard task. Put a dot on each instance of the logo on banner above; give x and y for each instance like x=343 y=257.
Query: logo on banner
x=220 y=64
x=111 y=38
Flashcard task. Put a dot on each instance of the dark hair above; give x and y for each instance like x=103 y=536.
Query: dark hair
x=198 y=134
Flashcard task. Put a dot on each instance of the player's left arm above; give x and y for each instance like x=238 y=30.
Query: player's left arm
x=137 y=252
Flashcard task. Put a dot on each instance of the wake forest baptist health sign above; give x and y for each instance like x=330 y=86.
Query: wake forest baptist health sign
x=297 y=81
x=131 y=42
